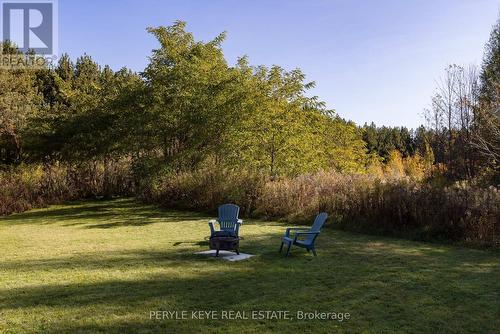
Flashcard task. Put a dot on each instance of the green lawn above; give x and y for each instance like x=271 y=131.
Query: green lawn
x=103 y=266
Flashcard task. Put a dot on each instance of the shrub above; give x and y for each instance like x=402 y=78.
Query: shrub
x=205 y=189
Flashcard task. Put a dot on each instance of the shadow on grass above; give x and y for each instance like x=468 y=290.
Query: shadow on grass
x=348 y=275
x=196 y=243
x=79 y=209
x=101 y=214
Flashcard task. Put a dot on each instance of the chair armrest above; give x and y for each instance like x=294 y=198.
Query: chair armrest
x=211 y=224
x=237 y=227
x=287 y=233
x=301 y=233
x=298 y=234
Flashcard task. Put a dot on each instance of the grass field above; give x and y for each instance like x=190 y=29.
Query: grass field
x=103 y=266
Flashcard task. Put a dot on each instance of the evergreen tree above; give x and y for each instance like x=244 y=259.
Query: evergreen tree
x=487 y=134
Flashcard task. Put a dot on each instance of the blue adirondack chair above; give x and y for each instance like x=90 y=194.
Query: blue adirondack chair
x=304 y=237
x=229 y=224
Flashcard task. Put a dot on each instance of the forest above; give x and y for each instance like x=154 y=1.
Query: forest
x=192 y=131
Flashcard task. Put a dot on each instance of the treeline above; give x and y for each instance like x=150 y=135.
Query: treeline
x=383 y=140
x=192 y=131
x=462 y=134
x=188 y=106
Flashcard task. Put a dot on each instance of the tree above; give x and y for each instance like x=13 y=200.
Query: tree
x=19 y=101
x=189 y=101
x=487 y=134
x=452 y=119
x=395 y=166
x=281 y=130
x=198 y=108
x=383 y=140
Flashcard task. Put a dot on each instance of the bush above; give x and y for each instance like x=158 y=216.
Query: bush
x=205 y=189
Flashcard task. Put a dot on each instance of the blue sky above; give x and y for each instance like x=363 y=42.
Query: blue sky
x=371 y=60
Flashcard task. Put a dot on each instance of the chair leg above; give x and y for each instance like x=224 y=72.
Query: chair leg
x=314 y=252
x=288 y=250
x=281 y=247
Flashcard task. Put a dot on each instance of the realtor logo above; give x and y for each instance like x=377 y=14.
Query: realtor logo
x=30 y=25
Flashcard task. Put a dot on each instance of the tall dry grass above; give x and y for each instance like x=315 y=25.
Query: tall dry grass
x=27 y=186
x=399 y=206
x=389 y=204
x=205 y=189
x=402 y=207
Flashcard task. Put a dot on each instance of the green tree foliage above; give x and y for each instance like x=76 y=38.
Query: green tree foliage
x=487 y=138
x=191 y=96
x=83 y=119
x=490 y=75
x=189 y=107
x=19 y=102
x=186 y=109
x=383 y=140
x=200 y=108
x=280 y=130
